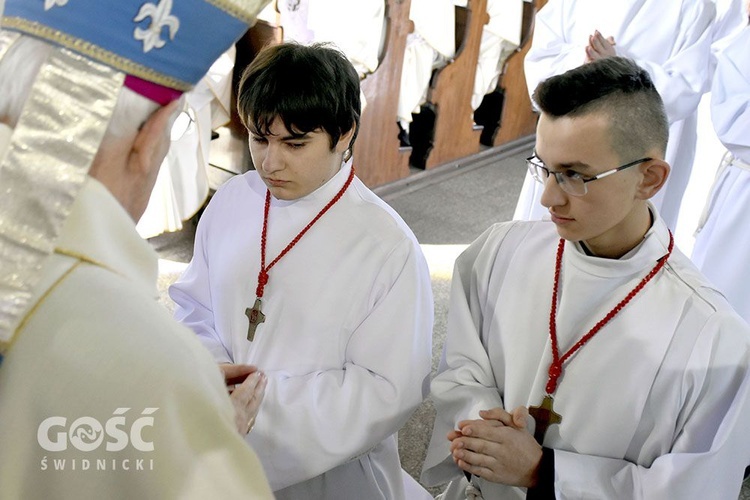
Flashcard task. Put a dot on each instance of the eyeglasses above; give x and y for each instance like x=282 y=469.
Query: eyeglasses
x=570 y=181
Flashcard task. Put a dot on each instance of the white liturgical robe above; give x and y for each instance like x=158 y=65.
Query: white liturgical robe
x=501 y=36
x=723 y=241
x=356 y=28
x=103 y=395
x=676 y=52
x=654 y=406
x=431 y=45
x=182 y=184
x=347 y=337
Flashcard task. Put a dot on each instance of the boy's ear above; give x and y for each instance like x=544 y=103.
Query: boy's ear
x=344 y=141
x=654 y=175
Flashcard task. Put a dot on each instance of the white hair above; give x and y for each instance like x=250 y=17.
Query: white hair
x=19 y=68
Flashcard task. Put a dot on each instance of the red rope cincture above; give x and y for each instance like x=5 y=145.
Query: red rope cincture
x=263 y=273
x=555 y=368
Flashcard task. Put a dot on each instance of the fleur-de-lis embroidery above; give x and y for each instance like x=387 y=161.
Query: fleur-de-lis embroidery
x=160 y=17
x=48 y=4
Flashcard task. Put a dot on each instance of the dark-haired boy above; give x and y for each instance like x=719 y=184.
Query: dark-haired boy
x=592 y=322
x=300 y=269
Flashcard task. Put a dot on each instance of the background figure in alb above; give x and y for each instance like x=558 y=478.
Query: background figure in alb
x=432 y=45
x=183 y=183
x=675 y=51
x=722 y=242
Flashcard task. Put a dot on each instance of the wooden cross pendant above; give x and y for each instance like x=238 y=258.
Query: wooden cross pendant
x=544 y=416
x=255 y=317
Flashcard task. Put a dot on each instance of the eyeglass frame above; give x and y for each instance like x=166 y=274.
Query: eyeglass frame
x=531 y=166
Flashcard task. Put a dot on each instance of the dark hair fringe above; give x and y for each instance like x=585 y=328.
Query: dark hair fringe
x=307 y=87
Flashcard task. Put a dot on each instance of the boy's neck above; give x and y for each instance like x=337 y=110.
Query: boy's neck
x=643 y=220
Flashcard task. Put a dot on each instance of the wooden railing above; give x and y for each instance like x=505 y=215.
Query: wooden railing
x=378 y=155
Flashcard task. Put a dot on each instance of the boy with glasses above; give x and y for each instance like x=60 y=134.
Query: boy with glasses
x=634 y=369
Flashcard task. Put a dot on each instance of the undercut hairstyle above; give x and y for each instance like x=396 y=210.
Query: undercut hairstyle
x=618 y=87
x=307 y=87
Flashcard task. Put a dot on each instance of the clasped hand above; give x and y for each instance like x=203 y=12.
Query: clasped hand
x=246 y=385
x=600 y=47
x=498 y=447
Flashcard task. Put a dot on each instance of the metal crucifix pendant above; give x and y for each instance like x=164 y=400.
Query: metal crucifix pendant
x=255 y=317
x=544 y=416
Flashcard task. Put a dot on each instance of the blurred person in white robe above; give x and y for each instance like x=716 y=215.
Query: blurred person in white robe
x=731 y=18
x=360 y=35
x=501 y=37
x=432 y=45
x=722 y=241
x=635 y=369
x=676 y=51
x=182 y=186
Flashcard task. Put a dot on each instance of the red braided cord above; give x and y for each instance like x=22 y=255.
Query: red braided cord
x=263 y=273
x=553 y=312
x=555 y=368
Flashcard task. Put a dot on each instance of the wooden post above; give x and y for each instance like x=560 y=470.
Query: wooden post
x=378 y=156
x=456 y=135
x=518 y=118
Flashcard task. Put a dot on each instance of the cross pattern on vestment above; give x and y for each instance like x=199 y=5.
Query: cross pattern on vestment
x=544 y=416
x=255 y=317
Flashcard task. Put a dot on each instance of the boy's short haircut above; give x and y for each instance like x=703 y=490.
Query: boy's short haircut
x=307 y=87
x=616 y=86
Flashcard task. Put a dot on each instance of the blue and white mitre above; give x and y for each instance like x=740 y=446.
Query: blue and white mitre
x=158 y=48
x=161 y=41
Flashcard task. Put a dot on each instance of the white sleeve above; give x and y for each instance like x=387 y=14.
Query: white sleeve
x=551 y=53
x=312 y=423
x=435 y=22
x=711 y=446
x=683 y=78
x=360 y=37
x=191 y=294
x=730 y=98
x=465 y=383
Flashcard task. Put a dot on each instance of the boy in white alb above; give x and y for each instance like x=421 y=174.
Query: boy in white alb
x=303 y=271
x=634 y=368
